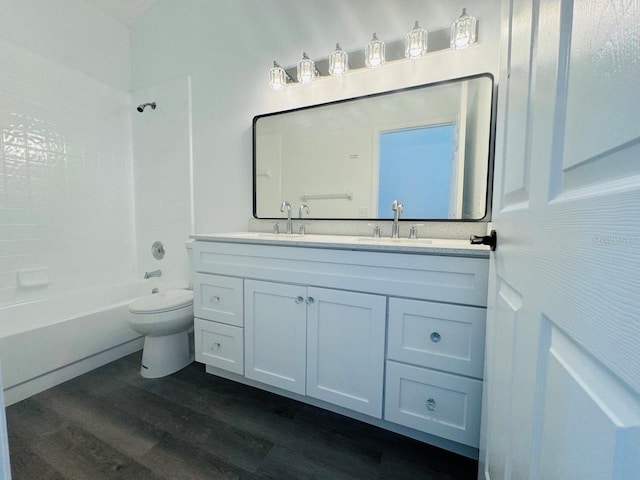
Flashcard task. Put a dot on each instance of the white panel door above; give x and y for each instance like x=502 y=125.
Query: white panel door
x=275 y=334
x=345 y=349
x=562 y=378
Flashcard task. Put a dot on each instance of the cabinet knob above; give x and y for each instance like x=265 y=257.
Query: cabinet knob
x=216 y=346
x=435 y=337
x=299 y=299
x=310 y=300
x=431 y=405
x=215 y=299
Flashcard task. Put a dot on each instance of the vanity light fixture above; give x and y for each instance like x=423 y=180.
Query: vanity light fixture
x=307 y=71
x=374 y=53
x=464 y=31
x=415 y=45
x=338 y=62
x=278 y=77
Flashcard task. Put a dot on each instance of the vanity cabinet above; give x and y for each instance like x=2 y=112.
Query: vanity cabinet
x=323 y=343
x=394 y=339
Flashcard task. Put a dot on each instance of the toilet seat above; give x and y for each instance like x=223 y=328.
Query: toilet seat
x=162 y=302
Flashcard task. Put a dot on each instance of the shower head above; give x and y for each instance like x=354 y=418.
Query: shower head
x=144 y=105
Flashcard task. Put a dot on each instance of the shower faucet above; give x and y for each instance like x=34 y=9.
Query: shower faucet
x=155 y=273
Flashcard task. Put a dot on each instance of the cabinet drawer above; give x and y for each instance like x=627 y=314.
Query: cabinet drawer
x=218 y=298
x=435 y=335
x=434 y=402
x=219 y=345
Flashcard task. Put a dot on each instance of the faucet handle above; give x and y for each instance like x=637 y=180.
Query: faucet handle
x=276 y=228
x=302 y=228
x=413 y=230
x=376 y=230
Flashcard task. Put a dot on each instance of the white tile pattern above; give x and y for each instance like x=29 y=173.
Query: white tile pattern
x=66 y=201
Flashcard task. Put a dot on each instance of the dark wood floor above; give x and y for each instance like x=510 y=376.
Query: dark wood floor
x=111 y=423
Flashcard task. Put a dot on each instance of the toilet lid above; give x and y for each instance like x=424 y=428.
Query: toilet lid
x=162 y=301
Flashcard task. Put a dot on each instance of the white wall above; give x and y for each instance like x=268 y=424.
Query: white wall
x=227 y=47
x=66 y=200
x=70 y=32
x=162 y=173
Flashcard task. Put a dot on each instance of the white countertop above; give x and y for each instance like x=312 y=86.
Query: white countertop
x=427 y=246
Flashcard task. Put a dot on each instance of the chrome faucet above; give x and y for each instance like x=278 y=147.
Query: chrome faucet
x=155 y=273
x=286 y=205
x=397 y=208
x=303 y=208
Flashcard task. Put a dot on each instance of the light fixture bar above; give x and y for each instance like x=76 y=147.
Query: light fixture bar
x=394 y=50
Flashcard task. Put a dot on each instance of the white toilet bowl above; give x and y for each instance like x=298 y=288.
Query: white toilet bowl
x=166 y=320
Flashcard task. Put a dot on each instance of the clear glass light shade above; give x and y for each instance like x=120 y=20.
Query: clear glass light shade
x=464 y=31
x=374 y=53
x=277 y=77
x=415 y=45
x=306 y=69
x=338 y=62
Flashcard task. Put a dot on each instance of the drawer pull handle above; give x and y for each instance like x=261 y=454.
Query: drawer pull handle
x=310 y=300
x=431 y=405
x=215 y=299
x=299 y=299
x=435 y=337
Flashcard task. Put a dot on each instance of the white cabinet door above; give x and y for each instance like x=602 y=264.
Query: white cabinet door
x=345 y=349
x=276 y=334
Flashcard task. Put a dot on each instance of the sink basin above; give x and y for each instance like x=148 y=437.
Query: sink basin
x=278 y=236
x=395 y=241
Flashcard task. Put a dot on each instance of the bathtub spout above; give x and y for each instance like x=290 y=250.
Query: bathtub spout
x=155 y=273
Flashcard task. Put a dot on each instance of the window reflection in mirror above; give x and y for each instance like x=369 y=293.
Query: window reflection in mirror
x=427 y=146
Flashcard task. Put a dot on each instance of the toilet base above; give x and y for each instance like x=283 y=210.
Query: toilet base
x=166 y=354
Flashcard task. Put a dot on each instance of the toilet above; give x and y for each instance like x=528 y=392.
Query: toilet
x=166 y=320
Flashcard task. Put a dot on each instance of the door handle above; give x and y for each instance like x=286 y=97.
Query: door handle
x=491 y=240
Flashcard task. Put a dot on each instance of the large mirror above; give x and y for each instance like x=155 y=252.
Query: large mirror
x=429 y=147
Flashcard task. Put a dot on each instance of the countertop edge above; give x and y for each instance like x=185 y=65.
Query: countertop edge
x=470 y=251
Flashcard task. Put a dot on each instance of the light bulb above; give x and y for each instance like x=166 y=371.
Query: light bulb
x=306 y=69
x=464 y=31
x=338 y=62
x=277 y=77
x=374 y=53
x=415 y=45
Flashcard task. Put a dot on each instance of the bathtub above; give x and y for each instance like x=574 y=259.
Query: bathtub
x=47 y=342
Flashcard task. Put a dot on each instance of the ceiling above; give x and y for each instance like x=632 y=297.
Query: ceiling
x=124 y=11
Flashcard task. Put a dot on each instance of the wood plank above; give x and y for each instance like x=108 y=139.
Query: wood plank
x=112 y=423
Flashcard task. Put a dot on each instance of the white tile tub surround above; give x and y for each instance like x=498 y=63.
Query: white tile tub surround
x=66 y=201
